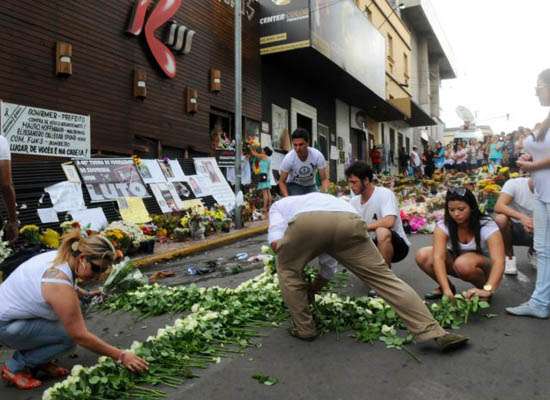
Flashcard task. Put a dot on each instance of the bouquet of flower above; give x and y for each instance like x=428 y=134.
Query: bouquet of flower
x=5 y=250
x=30 y=234
x=50 y=238
x=123 y=277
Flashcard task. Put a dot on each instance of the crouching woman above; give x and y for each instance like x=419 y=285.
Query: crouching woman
x=40 y=316
x=467 y=245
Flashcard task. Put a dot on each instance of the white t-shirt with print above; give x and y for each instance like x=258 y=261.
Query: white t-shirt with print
x=522 y=196
x=303 y=172
x=4 y=149
x=381 y=204
x=488 y=228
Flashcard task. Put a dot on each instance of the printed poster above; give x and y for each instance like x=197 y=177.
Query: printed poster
x=219 y=188
x=108 y=179
x=167 y=197
x=172 y=170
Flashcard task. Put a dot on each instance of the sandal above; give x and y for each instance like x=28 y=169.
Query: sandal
x=438 y=293
x=53 y=371
x=22 y=380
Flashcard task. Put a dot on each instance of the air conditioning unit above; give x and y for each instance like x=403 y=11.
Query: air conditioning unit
x=358 y=119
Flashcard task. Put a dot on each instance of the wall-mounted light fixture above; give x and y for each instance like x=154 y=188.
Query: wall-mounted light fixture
x=63 y=59
x=215 y=80
x=191 y=100
x=140 y=83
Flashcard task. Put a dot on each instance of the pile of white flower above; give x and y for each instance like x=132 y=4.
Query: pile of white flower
x=5 y=250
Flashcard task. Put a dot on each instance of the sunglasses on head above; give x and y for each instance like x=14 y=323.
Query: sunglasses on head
x=459 y=191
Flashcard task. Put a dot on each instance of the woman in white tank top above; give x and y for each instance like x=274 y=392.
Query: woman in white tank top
x=537 y=162
x=467 y=245
x=40 y=314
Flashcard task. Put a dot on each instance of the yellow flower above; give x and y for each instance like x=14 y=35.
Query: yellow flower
x=29 y=228
x=50 y=238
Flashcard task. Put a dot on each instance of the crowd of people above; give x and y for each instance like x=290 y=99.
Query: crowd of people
x=40 y=313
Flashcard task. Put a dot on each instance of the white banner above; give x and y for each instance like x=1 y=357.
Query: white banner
x=38 y=131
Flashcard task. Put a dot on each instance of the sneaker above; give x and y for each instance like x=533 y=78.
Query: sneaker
x=526 y=310
x=451 y=341
x=532 y=258
x=21 y=380
x=510 y=267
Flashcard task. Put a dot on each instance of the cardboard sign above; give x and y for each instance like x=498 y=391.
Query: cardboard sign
x=37 y=131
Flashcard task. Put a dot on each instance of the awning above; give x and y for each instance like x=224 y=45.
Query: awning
x=318 y=70
x=413 y=113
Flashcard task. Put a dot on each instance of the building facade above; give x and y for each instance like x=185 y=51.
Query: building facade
x=114 y=62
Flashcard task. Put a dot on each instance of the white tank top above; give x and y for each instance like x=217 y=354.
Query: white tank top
x=21 y=294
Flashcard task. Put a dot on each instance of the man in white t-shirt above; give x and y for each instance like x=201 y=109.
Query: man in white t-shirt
x=514 y=217
x=379 y=209
x=416 y=162
x=8 y=192
x=300 y=166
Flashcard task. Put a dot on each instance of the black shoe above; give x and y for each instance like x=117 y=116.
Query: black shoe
x=438 y=293
x=372 y=293
x=450 y=342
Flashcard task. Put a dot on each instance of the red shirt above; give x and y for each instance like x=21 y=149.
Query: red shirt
x=375 y=156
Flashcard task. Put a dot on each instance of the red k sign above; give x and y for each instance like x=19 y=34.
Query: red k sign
x=180 y=38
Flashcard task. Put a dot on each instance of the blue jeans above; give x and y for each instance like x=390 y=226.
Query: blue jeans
x=35 y=341
x=297 y=190
x=540 y=299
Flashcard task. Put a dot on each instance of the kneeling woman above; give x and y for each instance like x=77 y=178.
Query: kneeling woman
x=467 y=245
x=40 y=315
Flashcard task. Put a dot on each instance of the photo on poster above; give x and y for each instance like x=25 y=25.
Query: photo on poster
x=150 y=171
x=183 y=190
x=177 y=171
x=166 y=196
x=199 y=185
x=166 y=170
x=209 y=167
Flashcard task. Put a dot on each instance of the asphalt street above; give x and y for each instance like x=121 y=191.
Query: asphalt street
x=507 y=358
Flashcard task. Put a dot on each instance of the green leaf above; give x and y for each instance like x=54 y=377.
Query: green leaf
x=484 y=304
x=266 y=380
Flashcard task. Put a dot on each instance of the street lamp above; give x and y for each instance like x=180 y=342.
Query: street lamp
x=238 y=112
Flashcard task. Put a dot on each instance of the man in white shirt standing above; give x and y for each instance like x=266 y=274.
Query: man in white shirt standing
x=379 y=209
x=8 y=192
x=299 y=167
x=514 y=217
x=416 y=162
x=304 y=227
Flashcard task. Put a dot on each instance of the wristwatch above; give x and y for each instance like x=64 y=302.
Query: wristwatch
x=488 y=288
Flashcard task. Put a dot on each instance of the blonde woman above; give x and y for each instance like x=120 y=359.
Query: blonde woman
x=40 y=315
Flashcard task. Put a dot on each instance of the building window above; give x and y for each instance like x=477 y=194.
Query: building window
x=406 y=68
x=390 y=48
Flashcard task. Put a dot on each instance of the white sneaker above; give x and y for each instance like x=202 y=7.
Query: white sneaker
x=510 y=267
x=532 y=258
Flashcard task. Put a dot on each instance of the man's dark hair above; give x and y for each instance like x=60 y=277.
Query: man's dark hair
x=301 y=133
x=361 y=170
x=268 y=152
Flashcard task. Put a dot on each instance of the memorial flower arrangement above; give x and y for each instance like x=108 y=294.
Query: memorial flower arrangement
x=224 y=321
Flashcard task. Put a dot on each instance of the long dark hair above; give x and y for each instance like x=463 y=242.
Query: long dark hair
x=476 y=221
x=544 y=76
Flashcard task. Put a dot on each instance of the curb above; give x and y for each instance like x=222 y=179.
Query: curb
x=200 y=247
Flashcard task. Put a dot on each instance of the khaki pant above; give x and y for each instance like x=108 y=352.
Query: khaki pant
x=344 y=236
